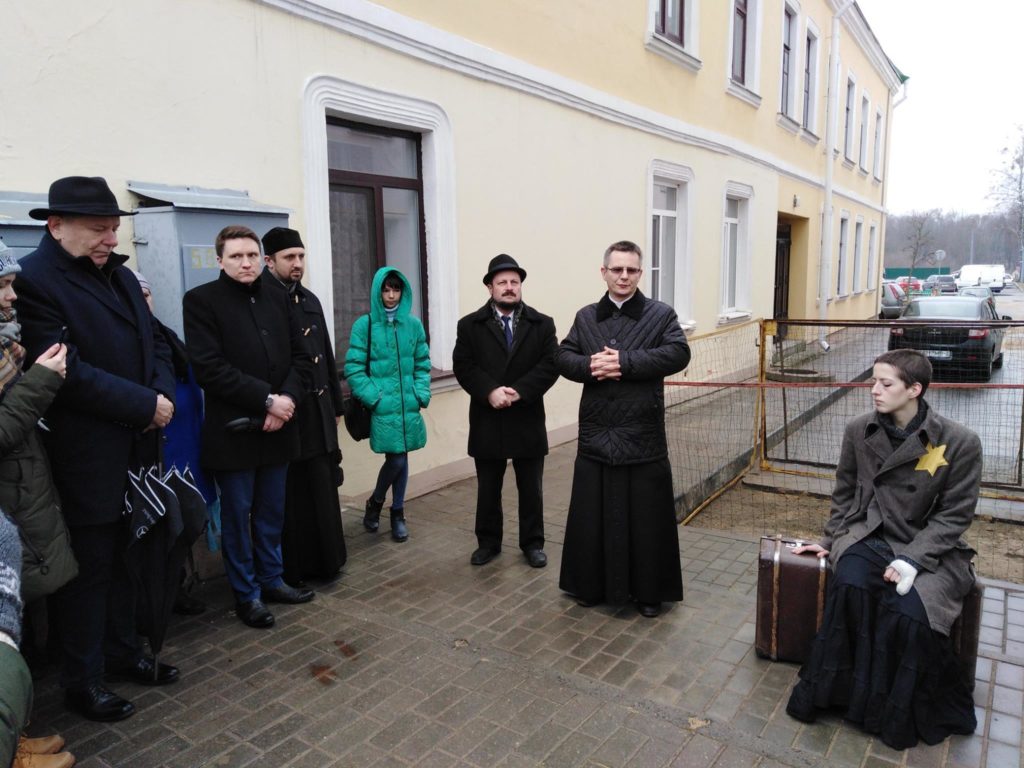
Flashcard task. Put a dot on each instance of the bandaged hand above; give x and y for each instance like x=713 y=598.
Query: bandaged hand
x=904 y=576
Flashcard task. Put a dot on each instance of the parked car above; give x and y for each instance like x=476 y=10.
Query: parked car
x=908 y=283
x=981 y=274
x=946 y=283
x=981 y=292
x=894 y=299
x=944 y=338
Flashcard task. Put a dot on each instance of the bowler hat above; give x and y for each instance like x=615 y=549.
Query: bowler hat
x=80 y=196
x=280 y=238
x=500 y=263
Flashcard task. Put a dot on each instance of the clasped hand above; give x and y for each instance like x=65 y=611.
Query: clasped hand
x=280 y=412
x=605 y=364
x=502 y=397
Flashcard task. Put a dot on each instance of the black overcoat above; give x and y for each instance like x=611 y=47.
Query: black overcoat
x=315 y=418
x=117 y=363
x=482 y=362
x=244 y=345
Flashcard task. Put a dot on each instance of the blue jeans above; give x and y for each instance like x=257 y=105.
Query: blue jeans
x=394 y=474
x=252 y=516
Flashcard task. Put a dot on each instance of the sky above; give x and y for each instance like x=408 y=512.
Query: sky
x=963 y=102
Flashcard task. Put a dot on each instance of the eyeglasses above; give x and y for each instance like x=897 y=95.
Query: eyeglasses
x=631 y=271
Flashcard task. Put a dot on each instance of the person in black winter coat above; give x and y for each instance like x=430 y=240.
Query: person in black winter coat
x=620 y=537
x=246 y=352
x=505 y=359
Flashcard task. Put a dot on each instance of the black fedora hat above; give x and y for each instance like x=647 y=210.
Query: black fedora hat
x=80 y=196
x=500 y=263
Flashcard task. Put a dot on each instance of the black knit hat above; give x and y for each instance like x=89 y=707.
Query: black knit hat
x=500 y=263
x=80 y=196
x=280 y=238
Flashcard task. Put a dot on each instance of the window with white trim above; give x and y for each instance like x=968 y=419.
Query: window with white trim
x=809 y=118
x=858 y=233
x=787 y=97
x=844 y=235
x=668 y=261
x=851 y=93
x=672 y=31
x=876 y=163
x=865 y=107
x=744 y=50
x=872 y=256
x=735 y=299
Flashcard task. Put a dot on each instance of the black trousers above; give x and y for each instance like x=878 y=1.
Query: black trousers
x=95 y=611
x=490 y=476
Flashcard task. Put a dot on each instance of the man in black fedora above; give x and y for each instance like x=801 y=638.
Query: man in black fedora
x=505 y=359
x=107 y=419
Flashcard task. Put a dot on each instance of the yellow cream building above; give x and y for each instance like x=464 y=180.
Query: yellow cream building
x=435 y=134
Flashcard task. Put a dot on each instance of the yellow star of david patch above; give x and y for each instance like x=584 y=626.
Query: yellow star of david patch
x=932 y=459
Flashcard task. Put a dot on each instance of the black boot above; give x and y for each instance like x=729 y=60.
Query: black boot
x=371 y=520
x=398 y=530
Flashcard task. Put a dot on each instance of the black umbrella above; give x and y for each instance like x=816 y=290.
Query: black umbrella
x=156 y=552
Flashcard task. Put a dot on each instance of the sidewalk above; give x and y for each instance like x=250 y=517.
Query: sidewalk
x=414 y=657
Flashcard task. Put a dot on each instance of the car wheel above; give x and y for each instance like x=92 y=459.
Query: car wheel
x=986 y=370
x=998 y=362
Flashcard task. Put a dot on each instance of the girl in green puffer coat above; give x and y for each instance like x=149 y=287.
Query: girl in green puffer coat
x=396 y=388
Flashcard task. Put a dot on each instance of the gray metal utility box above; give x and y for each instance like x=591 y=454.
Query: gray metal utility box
x=19 y=232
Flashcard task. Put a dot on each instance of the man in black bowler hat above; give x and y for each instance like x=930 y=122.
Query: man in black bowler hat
x=505 y=359
x=312 y=542
x=105 y=420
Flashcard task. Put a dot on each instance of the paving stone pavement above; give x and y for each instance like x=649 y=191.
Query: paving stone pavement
x=415 y=657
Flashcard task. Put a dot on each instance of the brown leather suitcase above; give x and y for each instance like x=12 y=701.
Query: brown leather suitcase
x=965 y=633
x=790 y=599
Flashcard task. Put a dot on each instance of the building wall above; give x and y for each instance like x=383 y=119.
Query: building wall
x=550 y=137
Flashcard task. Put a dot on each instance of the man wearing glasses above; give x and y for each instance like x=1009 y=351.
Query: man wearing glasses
x=621 y=542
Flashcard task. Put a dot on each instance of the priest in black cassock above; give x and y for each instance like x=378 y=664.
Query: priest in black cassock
x=621 y=542
x=312 y=542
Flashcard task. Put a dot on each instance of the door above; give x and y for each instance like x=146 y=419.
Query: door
x=783 y=241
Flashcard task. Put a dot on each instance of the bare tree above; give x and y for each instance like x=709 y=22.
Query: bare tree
x=919 y=236
x=1008 y=192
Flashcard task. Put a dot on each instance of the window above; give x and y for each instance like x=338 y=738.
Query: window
x=670 y=31
x=735 y=253
x=858 y=232
x=670 y=20
x=668 y=265
x=876 y=163
x=376 y=215
x=810 y=79
x=739 y=41
x=869 y=281
x=865 y=106
x=844 y=231
x=851 y=90
x=788 y=45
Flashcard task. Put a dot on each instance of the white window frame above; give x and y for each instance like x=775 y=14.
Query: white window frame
x=865 y=112
x=331 y=96
x=872 y=256
x=743 y=194
x=858 y=243
x=842 y=285
x=749 y=90
x=879 y=145
x=681 y=177
x=788 y=101
x=850 y=111
x=686 y=55
x=814 y=55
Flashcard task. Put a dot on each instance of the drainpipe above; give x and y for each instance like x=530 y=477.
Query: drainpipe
x=825 y=260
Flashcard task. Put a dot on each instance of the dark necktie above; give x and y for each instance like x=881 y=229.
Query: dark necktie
x=507 y=320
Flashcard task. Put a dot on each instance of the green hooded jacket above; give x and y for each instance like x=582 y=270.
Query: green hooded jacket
x=399 y=382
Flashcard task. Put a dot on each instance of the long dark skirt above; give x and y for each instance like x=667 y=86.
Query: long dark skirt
x=878 y=661
x=621 y=541
x=312 y=542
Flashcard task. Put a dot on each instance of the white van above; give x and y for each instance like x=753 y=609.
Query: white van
x=988 y=275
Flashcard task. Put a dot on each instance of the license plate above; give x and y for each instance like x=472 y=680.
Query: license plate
x=938 y=354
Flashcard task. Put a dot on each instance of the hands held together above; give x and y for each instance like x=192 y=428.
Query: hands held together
x=605 y=364
x=280 y=412
x=502 y=397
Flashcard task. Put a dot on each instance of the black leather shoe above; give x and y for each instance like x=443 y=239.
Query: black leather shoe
x=483 y=555
x=144 y=671
x=286 y=594
x=536 y=558
x=186 y=605
x=98 y=703
x=649 y=610
x=255 y=614
x=584 y=602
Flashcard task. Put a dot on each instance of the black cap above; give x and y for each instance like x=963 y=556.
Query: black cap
x=80 y=196
x=280 y=238
x=500 y=263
